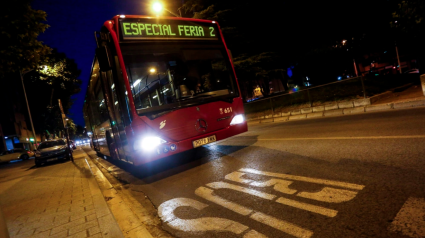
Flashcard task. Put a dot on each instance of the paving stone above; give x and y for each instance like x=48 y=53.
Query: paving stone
x=81 y=234
x=68 y=225
x=82 y=227
x=70 y=206
x=22 y=234
x=83 y=214
x=91 y=217
x=93 y=231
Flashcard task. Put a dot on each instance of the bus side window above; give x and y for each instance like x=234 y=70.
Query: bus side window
x=121 y=94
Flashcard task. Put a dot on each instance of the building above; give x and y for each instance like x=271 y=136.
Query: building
x=14 y=120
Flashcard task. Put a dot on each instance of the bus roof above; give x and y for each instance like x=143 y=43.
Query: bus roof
x=162 y=17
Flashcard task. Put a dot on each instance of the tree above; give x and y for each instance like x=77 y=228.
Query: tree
x=56 y=78
x=409 y=17
x=21 y=25
x=408 y=23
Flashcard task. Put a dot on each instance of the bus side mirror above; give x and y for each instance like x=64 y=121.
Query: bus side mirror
x=103 y=59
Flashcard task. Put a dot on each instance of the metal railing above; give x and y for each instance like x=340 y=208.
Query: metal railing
x=311 y=96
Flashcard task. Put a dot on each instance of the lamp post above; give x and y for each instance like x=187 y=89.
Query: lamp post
x=28 y=106
x=157 y=8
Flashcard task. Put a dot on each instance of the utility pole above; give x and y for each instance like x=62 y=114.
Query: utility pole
x=66 y=128
x=355 y=68
x=28 y=107
x=398 y=58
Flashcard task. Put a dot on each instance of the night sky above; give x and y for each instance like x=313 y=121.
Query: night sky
x=72 y=26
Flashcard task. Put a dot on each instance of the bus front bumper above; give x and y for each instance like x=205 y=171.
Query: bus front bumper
x=171 y=148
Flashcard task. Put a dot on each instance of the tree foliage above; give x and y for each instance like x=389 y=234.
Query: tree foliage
x=409 y=17
x=20 y=27
x=255 y=62
x=56 y=78
x=266 y=38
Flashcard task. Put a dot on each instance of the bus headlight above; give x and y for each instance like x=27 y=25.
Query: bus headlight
x=238 y=119
x=148 y=143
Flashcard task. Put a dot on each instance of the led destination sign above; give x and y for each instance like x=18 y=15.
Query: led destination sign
x=145 y=29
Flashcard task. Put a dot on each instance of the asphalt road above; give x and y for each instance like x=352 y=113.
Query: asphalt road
x=351 y=176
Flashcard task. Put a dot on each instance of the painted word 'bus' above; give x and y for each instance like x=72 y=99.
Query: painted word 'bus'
x=160 y=86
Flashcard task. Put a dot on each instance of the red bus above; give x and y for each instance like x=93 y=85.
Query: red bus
x=160 y=86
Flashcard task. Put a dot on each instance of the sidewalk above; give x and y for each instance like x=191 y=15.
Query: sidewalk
x=58 y=200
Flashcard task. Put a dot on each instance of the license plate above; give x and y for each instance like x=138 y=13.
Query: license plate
x=52 y=159
x=204 y=141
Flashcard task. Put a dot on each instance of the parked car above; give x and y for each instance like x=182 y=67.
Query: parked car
x=15 y=154
x=52 y=150
x=412 y=71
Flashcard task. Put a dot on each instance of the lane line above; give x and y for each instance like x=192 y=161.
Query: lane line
x=284 y=226
x=305 y=179
x=308 y=207
x=218 y=185
x=410 y=220
x=338 y=138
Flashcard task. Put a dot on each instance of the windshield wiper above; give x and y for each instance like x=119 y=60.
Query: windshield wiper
x=200 y=96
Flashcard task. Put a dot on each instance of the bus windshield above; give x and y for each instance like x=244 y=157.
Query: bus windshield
x=166 y=75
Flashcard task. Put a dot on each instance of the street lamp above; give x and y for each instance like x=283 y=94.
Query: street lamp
x=157 y=8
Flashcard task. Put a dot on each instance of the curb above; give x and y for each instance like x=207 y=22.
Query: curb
x=138 y=214
x=112 y=228
x=344 y=109
x=129 y=224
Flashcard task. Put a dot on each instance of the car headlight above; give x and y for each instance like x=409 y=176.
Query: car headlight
x=238 y=119
x=148 y=143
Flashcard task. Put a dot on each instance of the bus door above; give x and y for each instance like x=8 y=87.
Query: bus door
x=117 y=137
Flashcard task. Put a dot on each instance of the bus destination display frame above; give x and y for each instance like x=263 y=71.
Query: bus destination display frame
x=166 y=29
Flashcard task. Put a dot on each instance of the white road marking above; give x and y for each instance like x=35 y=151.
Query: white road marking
x=410 y=220
x=218 y=185
x=236 y=177
x=308 y=207
x=207 y=194
x=280 y=185
x=305 y=179
x=254 y=234
x=341 y=138
x=166 y=212
x=331 y=195
x=284 y=226
x=327 y=194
